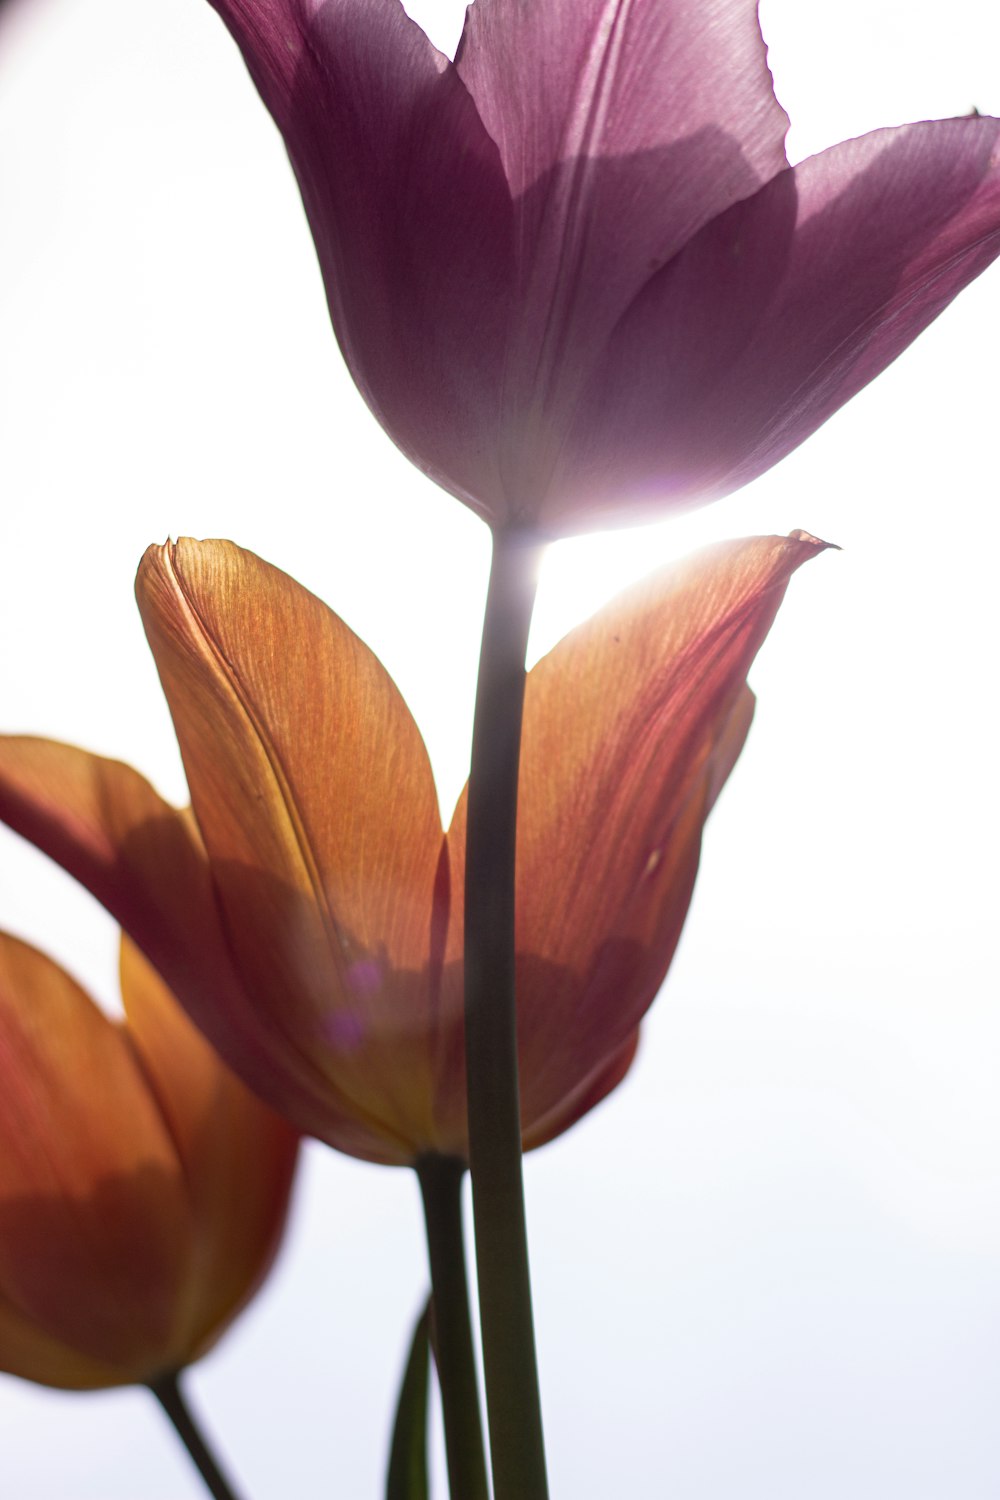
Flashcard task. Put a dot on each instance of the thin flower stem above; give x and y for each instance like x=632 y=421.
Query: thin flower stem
x=510 y=1366
x=168 y=1392
x=407 y=1476
x=451 y=1330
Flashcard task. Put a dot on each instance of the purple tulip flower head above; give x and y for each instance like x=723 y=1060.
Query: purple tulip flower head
x=572 y=272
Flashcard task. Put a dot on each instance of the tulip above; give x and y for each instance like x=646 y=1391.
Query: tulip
x=143 y=1189
x=309 y=916
x=572 y=272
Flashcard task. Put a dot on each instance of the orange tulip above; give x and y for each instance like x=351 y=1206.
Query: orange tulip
x=311 y=919
x=143 y=1189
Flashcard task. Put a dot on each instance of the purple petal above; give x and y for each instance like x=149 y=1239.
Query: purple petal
x=776 y=314
x=411 y=215
x=624 y=126
x=557 y=80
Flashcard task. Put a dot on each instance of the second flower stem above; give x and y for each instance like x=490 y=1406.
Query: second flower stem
x=168 y=1392
x=451 y=1330
x=510 y=1365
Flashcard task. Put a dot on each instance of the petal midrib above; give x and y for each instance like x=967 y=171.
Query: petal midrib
x=584 y=124
x=225 y=670
x=296 y=824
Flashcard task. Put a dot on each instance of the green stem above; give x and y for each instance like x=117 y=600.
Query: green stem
x=510 y=1366
x=441 y=1187
x=168 y=1393
x=407 y=1476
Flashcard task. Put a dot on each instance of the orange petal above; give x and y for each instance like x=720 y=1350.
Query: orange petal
x=143 y=859
x=586 y=1097
x=27 y=1351
x=106 y=825
x=631 y=725
x=95 y=1221
x=316 y=802
x=237 y=1156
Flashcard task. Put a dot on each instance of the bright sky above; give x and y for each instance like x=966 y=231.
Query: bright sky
x=770 y=1265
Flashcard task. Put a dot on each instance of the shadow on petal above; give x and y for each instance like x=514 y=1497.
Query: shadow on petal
x=103 y=1272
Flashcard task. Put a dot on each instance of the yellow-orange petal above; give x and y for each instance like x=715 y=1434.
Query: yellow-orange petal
x=631 y=725
x=317 y=806
x=236 y=1155
x=95 y=1218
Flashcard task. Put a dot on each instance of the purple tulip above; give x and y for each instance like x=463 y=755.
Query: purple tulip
x=572 y=272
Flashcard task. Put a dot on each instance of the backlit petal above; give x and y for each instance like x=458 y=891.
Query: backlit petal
x=143 y=860
x=317 y=805
x=95 y=1223
x=113 y=832
x=776 y=314
x=600 y=79
x=411 y=215
x=591 y=1092
x=27 y=1351
x=237 y=1157
x=624 y=126
x=631 y=725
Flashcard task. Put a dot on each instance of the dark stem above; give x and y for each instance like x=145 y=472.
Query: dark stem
x=510 y=1366
x=451 y=1331
x=168 y=1393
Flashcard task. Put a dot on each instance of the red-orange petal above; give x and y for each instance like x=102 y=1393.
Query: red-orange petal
x=95 y=1219
x=143 y=859
x=114 y=833
x=27 y=1351
x=317 y=806
x=587 y=1096
x=237 y=1157
x=631 y=725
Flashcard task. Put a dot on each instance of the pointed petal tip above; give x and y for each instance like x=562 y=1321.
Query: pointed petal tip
x=800 y=535
x=155 y=554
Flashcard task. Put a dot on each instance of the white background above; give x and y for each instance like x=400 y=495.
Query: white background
x=769 y=1266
